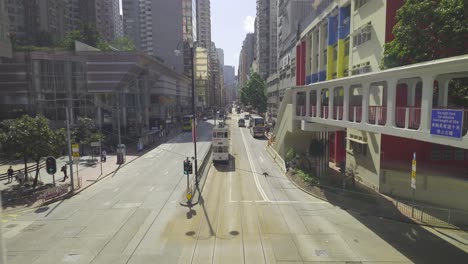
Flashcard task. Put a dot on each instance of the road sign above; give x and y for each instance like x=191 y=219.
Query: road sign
x=447 y=123
x=76 y=150
x=95 y=144
x=413 y=172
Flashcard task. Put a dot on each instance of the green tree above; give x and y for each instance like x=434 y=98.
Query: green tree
x=86 y=34
x=30 y=138
x=427 y=30
x=254 y=93
x=86 y=132
x=123 y=44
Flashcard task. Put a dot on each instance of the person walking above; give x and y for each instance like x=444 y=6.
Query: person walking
x=10 y=174
x=20 y=177
x=103 y=155
x=64 y=170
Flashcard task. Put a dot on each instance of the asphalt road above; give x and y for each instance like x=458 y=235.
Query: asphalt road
x=243 y=217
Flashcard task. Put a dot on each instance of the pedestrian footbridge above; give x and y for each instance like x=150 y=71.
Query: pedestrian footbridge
x=411 y=102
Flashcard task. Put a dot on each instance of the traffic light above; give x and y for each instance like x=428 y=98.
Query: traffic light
x=51 y=165
x=186 y=166
x=190 y=168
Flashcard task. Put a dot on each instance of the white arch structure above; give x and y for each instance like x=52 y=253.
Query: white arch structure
x=368 y=102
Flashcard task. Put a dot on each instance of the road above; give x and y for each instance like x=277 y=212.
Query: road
x=243 y=217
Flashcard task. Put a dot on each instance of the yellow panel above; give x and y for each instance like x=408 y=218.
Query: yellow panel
x=330 y=64
x=341 y=58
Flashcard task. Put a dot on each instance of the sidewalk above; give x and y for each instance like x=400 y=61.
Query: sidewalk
x=88 y=173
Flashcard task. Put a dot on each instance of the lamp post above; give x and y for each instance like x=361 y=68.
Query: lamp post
x=194 y=112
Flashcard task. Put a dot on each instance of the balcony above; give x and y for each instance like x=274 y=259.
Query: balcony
x=378 y=115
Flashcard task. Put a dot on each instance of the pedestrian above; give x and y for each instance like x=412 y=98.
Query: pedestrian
x=20 y=177
x=64 y=170
x=10 y=174
x=103 y=155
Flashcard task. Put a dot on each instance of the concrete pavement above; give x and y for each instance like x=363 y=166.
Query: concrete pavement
x=243 y=217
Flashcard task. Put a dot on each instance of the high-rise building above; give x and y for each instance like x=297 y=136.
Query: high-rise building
x=246 y=57
x=5 y=45
x=220 y=56
x=204 y=23
x=36 y=22
x=189 y=31
x=72 y=15
x=229 y=74
x=159 y=27
x=103 y=15
x=266 y=37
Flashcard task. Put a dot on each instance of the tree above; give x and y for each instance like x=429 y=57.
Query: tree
x=86 y=132
x=123 y=44
x=427 y=30
x=254 y=93
x=30 y=138
x=86 y=34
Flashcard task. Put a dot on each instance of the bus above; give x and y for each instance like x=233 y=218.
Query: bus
x=257 y=126
x=246 y=116
x=220 y=144
x=187 y=123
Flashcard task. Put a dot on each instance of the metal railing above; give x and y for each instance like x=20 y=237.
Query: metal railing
x=377 y=115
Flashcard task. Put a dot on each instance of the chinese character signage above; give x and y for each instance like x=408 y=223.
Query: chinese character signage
x=446 y=122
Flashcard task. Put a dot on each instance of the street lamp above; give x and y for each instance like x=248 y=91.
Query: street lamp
x=192 y=55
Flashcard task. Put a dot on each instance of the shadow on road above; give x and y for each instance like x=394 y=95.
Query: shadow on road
x=229 y=167
x=382 y=217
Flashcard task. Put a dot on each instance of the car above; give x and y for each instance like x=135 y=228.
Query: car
x=241 y=122
x=205 y=118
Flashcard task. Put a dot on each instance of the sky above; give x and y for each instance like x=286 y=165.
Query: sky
x=231 y=20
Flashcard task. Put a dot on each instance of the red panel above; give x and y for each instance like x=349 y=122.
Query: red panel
x=402 y=95
x=401 y=149
x=298 y=65
x=392 y=8
x=337 y=147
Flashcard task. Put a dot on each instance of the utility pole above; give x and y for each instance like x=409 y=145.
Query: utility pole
x=194 y=115
x=70 y=159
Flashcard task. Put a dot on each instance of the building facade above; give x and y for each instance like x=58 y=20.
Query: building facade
x=146 y=92
x=246 y=57
x=204 y=23
x=5 y=44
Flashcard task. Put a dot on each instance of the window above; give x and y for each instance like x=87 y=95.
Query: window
x=362 y=35
x=459 y=154
x=346 y=51
x=358 y=148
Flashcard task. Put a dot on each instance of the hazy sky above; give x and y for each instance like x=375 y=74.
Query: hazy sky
x=230 y=21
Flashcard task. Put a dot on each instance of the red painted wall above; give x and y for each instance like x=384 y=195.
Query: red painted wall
x=401 y=149
x=298 y=64
x=337 y=147
x=392 y=8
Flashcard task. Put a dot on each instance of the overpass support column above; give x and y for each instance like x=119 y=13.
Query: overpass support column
x=307 y=103
x=365 y=102
x=391 y=102
x=426 y=102
x=346 y=89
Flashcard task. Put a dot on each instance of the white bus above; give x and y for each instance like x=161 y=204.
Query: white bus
x=246 y=116
x=257 y=126
x=220 y=144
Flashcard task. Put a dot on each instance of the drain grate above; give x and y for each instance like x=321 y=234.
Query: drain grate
x=321 y=253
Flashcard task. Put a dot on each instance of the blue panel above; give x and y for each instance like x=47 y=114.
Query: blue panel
x=308 y=79
x=344 y=21
x=314 y=78
x=332 y=30
x=322 y=76
x=447 y=123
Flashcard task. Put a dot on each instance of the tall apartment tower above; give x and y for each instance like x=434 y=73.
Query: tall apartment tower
x=204 y=23
x=28 y=20
x=246 y=57
x=5 y=45
x=159 y=27
x=103 y=15
x=266 y=36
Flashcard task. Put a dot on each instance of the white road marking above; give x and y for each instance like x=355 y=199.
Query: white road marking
x=151 y=189
x=261 y=159
x=254 y=172
x=116 y=189
x=278 y=202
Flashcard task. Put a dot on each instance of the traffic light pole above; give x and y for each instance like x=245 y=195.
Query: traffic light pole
x=194 y=115
x=70 y=159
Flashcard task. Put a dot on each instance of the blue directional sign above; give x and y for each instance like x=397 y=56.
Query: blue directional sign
x=447 y=123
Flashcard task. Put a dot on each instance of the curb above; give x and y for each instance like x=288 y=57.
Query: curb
x=70 y=195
